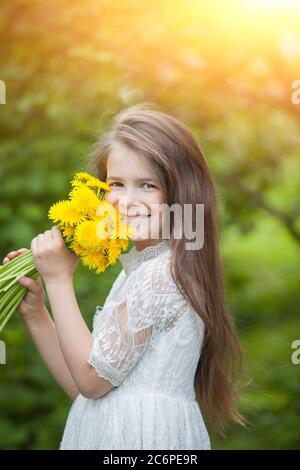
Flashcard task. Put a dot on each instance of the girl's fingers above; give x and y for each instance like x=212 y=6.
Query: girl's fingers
x=34 y=245
x=41 y=241
x=30 y=284
x=12 y=254
x=48 y=236
x=9 y=256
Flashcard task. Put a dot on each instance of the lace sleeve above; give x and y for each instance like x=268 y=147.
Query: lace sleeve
x=128 y=328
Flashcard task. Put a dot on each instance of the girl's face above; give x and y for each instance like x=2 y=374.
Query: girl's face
x=136 y=193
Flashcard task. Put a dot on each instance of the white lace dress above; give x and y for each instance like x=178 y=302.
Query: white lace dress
x=147 y=343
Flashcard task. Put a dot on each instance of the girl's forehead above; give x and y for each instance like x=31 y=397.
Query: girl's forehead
x=128 y=164
x=120 y=155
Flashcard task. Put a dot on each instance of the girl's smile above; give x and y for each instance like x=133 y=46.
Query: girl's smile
x=136 y=216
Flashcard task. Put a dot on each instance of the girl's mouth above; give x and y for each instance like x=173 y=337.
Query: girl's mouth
x=137 y=216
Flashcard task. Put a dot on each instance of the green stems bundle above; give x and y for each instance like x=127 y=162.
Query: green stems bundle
x=11 y=292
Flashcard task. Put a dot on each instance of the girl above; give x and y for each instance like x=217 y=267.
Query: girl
x=162 y=361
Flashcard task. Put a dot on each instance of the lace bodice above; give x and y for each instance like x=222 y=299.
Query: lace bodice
x=130 y=261
x=143 y=304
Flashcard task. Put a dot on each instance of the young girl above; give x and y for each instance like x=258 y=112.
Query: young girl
x=163 y=357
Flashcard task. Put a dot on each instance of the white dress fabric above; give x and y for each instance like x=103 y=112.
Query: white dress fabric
x=147 y=343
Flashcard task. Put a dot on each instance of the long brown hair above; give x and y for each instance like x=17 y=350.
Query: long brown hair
x=172 y=150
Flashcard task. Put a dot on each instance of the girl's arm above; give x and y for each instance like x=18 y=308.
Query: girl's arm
x=75 y=339
x=43 y=332
x=56 y=263
x=41 y=327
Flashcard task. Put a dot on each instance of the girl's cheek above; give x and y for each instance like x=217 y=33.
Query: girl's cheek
x=110 y=197
x=154 y=198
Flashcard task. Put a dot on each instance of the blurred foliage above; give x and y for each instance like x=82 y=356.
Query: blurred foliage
x=225 y=69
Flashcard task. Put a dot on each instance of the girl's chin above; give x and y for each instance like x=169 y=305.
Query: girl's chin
x=143 y=237
x=143 y=228
x=138 y=218
x=138 y=221
x=139 y=237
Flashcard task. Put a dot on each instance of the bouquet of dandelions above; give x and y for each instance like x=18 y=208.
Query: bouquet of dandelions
x=92 y=229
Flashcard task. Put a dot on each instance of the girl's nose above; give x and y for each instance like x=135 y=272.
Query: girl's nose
x=128 y=198
x=129 y=207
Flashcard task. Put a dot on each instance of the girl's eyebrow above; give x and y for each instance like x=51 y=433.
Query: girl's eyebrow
x=137 y=179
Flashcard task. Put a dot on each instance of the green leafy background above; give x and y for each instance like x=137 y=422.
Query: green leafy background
x=226 y=70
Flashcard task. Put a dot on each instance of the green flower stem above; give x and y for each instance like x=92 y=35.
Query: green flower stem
x=6 y=299
x=11 y=292
x=17 y=276
x=11 y=307
x=11 y=300
x=16 y=265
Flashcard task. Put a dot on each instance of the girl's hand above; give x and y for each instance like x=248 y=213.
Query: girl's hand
x=33 y=303
x=52 y=259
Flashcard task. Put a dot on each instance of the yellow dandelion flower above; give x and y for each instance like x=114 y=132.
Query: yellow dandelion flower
x=68 y=231
x=114 y=251
x=107 y=220
x=96 y=261
x=86 y=235
x=124 y=231
x=66 y=213
x=119 y=228
x=123 y=243
x=78 y=249
x=106 y=209
x=96 y=183
x=85 y=200
x=102 y=265
x=111 y=222
x=106 y=229
x=81 y=178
